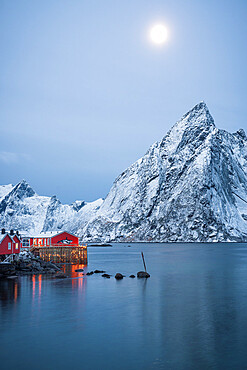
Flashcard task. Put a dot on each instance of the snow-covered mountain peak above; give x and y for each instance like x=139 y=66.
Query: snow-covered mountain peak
x=190 y=186
x=242 y=134
x=22 y=190
x=54 y=201
x=199 y=114
x=189 y=132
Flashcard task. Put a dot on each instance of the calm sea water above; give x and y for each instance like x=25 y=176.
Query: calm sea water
x=191 y=313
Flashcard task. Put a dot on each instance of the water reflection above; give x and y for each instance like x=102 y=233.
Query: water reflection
x=78 y=278
x=69 y=269
x=9 y=290
x=191 y=313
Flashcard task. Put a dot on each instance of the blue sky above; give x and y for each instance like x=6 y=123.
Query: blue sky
x=83 y=92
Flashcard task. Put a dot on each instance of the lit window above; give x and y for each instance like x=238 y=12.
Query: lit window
x=9 y=246
x=16 y=245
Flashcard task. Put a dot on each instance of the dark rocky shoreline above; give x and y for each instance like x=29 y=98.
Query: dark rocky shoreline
x=27 y=264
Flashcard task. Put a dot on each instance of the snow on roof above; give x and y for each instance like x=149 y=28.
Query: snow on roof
x=2 y=236
x=45 y=234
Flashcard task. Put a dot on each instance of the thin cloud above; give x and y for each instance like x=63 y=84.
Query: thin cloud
x=12 y=158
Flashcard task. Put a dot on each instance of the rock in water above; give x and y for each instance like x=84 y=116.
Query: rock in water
x=143 y=274
x=99 y=271
x=119 y=276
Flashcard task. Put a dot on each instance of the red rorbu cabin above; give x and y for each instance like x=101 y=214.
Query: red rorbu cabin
x=50 y=239
x=56 y=246
x=9 y=243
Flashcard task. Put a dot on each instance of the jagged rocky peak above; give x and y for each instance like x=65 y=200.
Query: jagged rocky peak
x=199 y=114
x=241 y=133
x=22 y=190
x=78 y=204
x=196 y=124
x=54 y=201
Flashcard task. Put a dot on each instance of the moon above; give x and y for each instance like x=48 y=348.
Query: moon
x=158 y=34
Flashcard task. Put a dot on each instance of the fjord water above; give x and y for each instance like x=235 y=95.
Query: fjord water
x=191 y=313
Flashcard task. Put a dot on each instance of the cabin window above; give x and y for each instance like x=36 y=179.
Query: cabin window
x=16 y=245
x=48 y=242
x=9 y=246
x=34 y=241
x=25 y=242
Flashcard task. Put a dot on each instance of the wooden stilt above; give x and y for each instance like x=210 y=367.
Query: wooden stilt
x=144 y=262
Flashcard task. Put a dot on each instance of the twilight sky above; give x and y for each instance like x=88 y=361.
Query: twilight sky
x=83 y=92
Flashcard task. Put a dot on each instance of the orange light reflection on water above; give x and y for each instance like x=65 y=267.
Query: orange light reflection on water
x=33 y=282
x=40 y=285
x=78 y=280
x=15 y=291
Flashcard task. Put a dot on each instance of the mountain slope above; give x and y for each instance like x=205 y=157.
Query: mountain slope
x=4 y=190
x=185 y=188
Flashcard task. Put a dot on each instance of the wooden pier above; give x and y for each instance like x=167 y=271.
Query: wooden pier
x=62 y=254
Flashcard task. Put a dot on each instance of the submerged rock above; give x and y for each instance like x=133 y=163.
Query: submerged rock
x=106 y=276
x=143 y=274
x=99 y=271
x=79 y=270
x=89 y=273
x=132 y=276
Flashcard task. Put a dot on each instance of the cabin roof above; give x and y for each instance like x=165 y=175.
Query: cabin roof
x=2 y=236
x=45 y=234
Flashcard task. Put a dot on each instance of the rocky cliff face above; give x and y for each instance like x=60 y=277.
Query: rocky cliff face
x=190 y=186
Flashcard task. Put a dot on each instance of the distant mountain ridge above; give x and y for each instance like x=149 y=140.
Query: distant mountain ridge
x=191 y=187
x=21 y=208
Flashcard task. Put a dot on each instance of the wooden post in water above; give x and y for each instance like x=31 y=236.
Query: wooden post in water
x=144 y=262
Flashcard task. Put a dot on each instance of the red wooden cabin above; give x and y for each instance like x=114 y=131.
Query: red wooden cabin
x=50 y=239
x=9 y=244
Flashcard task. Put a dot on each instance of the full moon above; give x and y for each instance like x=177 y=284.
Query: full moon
x=158 y=34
